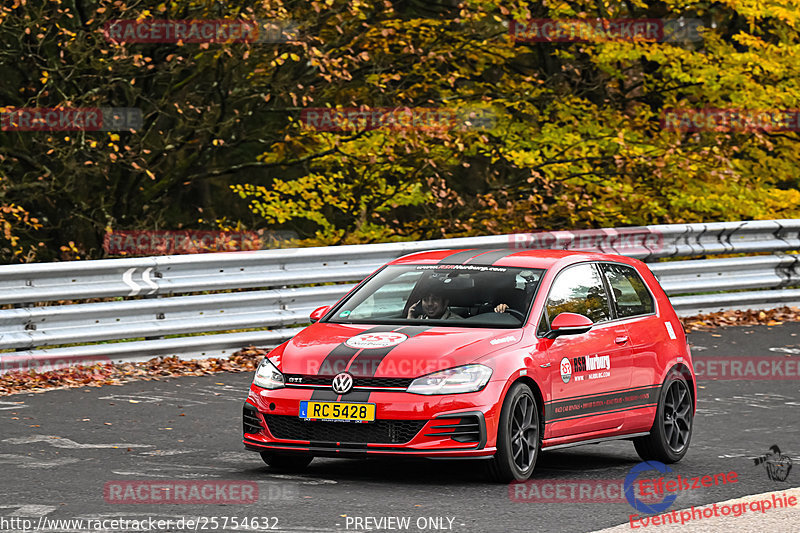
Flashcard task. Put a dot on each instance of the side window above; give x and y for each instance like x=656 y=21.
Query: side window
x=630 y=293
x=579 y=289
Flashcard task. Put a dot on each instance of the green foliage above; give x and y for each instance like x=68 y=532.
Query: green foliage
x=577 y=140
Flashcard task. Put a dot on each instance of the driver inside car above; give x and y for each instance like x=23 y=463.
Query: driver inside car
x=434 y=305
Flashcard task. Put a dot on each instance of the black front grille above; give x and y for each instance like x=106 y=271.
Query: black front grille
x=357 y=381
x=250 y=420
x=377 y=432
x=460 y=429
x=382 y=382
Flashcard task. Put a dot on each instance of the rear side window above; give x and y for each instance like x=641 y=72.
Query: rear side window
x=579 y=289
x=630 y=293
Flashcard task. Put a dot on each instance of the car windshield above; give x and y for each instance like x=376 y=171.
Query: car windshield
x=448 y=295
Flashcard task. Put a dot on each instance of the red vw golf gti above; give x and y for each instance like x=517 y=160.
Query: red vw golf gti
x=486 y=354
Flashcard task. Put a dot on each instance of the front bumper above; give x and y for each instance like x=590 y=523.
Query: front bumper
x=456 y=425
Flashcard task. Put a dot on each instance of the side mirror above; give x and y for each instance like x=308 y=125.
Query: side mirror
x=318 y=313
x=569 y=324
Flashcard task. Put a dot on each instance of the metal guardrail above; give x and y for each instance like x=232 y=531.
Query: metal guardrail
x=159 y=295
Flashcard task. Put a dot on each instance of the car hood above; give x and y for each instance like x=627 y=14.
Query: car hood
x=326 y=349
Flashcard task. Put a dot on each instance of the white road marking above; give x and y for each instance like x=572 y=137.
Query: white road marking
x=12 y=405
x=150 y=399
x=163 y=453
x=26 y=461
x=305 y=480
x=161 y=475
x=61 y=442
x=782 y=349
x=29 y=510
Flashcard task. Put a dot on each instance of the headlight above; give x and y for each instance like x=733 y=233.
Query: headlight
x=469 y=378
x=267 y=376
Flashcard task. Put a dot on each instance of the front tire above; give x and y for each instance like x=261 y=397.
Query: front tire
x=671 y=433
x=286 y=462
x=518 y=436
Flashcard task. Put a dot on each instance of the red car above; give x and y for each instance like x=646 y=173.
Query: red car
x=487 y=354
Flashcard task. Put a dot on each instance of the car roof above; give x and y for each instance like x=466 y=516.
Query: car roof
x=509 y=257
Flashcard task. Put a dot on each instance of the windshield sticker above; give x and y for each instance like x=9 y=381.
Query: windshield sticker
x=344 y=314
x=462 y=267
x=366 y=341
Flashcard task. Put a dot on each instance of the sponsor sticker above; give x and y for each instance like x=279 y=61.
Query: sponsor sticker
x=589 y=364
x=367 y=341
x=670 y=330
x=566 y=370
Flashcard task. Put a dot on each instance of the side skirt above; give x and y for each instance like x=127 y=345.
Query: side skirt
x=595 y=441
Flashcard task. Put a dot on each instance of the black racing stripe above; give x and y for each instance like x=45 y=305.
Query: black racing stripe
x=324 y=395
x=625 y=409
x=585 y=396
x=600 y=404
x=479 y=257
x=460 y=257
x=367 y=362
x=358 y=396
x=492 y=257
x=336 y=361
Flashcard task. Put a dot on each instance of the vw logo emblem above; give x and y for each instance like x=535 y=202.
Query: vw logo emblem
x=342 y=383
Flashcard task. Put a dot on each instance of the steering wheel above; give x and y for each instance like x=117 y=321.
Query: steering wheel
x=516 y=313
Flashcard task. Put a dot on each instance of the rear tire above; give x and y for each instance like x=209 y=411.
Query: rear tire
x=518 y=437
x=671 y=433
x=286 y=462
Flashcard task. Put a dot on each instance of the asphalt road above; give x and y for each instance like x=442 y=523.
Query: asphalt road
x=59 y=450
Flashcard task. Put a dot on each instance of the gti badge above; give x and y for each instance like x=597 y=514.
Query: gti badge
x=342 y=383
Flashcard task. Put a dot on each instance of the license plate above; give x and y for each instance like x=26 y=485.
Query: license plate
x=348 y=412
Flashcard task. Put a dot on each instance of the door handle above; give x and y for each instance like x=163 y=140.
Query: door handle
x=621 y=340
